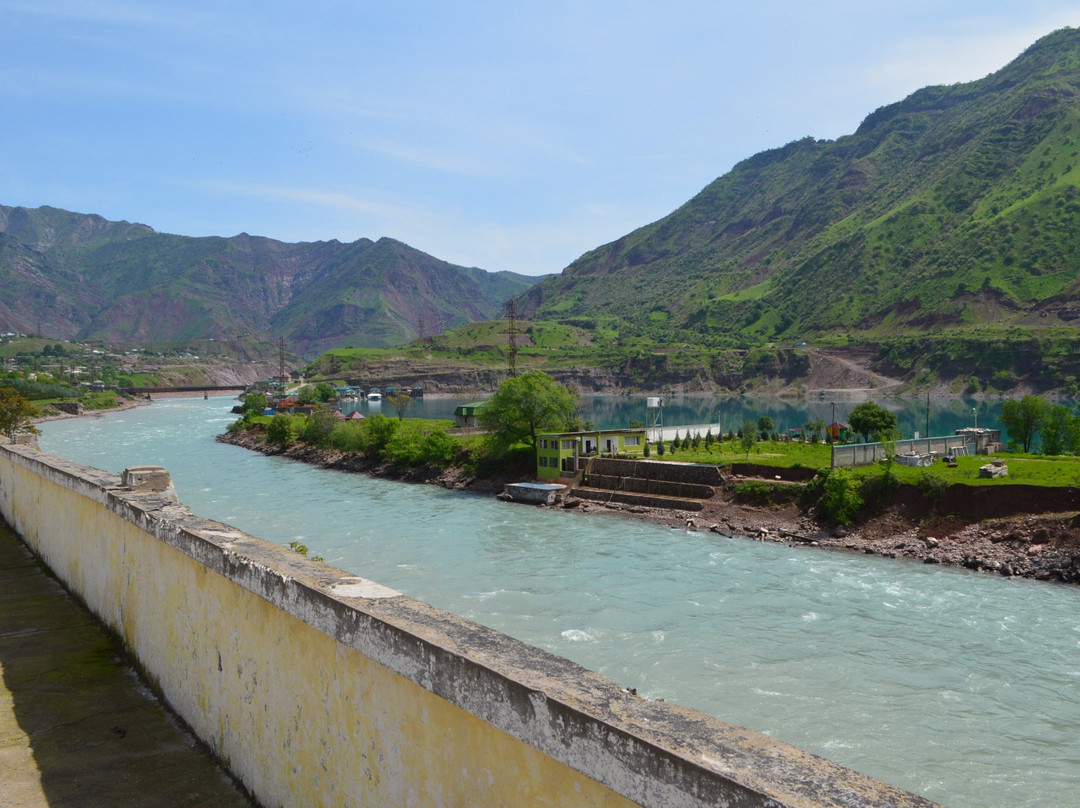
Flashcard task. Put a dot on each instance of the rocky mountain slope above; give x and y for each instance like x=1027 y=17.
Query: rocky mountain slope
x=953 y=210
x=71 y=275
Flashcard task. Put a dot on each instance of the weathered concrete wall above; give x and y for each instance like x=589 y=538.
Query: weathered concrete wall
x=862 y=454
x=657 y=470
x=318 y=687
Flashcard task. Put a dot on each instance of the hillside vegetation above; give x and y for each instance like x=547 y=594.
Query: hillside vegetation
x=952 y=212
x=67 y=275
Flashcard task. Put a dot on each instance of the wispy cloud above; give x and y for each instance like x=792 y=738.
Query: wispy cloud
x=982 y=48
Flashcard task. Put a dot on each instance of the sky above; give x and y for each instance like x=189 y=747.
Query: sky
x=504 y=135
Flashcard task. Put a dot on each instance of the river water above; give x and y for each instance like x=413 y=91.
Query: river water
x=959 y=686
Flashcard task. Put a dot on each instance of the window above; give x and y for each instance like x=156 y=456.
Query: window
x=632 y=440
x=543 y=443
x=543 y=462
x=568 y=444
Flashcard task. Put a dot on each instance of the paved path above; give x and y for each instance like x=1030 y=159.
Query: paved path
x=77 y=728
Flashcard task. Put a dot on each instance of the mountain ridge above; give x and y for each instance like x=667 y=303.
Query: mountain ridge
x=81 y=276
x=890 y=230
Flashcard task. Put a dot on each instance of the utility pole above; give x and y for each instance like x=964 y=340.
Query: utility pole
x=282 y=375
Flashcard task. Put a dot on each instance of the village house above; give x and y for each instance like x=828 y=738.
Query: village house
x=559 y=454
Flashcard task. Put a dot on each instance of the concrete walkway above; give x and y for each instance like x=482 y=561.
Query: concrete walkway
x=77 y=727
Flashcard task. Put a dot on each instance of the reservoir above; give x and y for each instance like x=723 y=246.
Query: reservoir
x=959 y=686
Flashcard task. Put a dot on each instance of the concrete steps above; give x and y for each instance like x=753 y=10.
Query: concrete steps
x=645 y=500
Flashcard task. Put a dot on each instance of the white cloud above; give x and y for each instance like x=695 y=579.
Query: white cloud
x=982 y=48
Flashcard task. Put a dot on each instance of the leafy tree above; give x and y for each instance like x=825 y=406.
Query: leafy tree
x=282 y=429
x=675 y=442
x=841 y=499
x=766 y=426
x=815 y=427
x=318 y=427
x=646 y=450
x=400 y=402
x=869 y=418
x=307 y=394
x=324 y=392
x=255 y=403
x=377 y=431
x=1024 y=418
x=526 y=405
x=1060 y=431
x=439 y=448
x=15 y=414
x=660 y=448
x=748 y=437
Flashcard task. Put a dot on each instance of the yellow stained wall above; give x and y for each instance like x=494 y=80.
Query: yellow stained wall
x=298 y=718
x=317 y=688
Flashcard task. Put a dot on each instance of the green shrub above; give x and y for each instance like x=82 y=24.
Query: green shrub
x=283 y=429
x=348 y=436
x=840 y=498
x=756 y=492
x=439 y=448
x=404 y=446
x=318 y=427
x=376 y=434
x=931 y=485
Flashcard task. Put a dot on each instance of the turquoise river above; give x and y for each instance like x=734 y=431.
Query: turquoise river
x=959 y=686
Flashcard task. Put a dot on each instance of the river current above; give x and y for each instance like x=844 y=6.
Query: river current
x=959 y=686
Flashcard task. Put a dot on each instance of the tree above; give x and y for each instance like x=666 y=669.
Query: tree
x=815 y=427
x=748 y=437
x=1024 y=418
x=526 y=405
x=765 y=426
x=15 y=414
x=400 y=402
x=1060 y=431
x=255 y=403
x=869 y=419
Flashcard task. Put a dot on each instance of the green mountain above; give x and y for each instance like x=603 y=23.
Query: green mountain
x=954 y=210
x=77 y=276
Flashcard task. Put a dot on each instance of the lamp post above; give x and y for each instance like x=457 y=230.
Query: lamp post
x=975 y=412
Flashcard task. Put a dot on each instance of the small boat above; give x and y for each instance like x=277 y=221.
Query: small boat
x=374 y=394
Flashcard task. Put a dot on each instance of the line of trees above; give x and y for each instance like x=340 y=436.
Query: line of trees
x=1033 y=421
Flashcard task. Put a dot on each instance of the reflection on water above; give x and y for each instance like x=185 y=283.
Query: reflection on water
x=938 y=417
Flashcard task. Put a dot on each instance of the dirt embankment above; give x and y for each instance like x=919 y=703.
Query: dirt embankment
x=1023 y=533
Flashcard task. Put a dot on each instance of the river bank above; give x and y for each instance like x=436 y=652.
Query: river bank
x=1043 y=546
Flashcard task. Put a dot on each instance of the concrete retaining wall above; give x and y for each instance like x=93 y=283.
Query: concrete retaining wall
x=657 y=470
x=318 y=687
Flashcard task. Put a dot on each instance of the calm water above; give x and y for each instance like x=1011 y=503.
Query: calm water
x=962 y=687
x=942 y=416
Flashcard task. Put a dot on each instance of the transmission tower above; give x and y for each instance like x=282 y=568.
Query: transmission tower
x=283 y=375
x=512 y=333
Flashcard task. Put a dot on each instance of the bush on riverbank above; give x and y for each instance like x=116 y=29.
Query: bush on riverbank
x=406 y=443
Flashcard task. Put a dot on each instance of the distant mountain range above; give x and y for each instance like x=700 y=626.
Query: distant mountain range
x=78 y=276
x=951 y=217
x=954 y=210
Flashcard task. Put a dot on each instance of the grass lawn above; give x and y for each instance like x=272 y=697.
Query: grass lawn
x=1024 y=469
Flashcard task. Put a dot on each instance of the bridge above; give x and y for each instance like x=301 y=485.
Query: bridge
x=228 y=388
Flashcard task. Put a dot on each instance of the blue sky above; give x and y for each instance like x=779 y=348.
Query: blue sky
x=501 y=135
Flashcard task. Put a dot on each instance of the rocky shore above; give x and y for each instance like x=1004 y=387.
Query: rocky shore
x=1043 y=546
